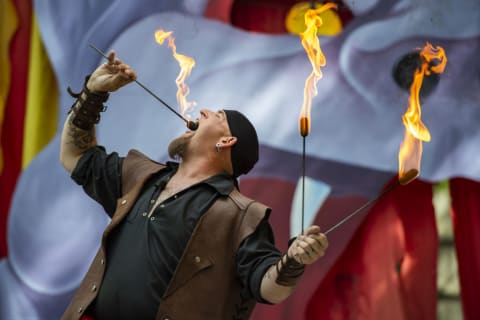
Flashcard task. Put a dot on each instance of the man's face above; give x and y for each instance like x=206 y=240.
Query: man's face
x=211 y=127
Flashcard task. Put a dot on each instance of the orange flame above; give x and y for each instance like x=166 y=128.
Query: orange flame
x=311 y=44
x=186 y=64
x=410 y=154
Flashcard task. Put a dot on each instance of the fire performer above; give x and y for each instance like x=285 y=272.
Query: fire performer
x=183 y=242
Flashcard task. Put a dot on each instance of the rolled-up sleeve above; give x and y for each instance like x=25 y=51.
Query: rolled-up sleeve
x=255 y=255
x=99 y=174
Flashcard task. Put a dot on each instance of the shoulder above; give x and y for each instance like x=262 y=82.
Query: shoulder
x=135 y=159
x=245 y=203
x=137 y=166
x=135 y=155
x=253 y=212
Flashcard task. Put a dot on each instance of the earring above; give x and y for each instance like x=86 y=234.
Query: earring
x=219 y=147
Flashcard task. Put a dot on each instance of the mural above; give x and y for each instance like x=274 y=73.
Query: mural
x=375 y=261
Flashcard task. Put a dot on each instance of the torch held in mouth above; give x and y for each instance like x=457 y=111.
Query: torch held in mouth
x=190 y=124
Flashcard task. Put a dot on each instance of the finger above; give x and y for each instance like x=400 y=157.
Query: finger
x=315 y=245
x=111 y=57
x=123 y=67
x=318 y=245
x=123 y=80
x=110 y=66
x=127 y=75
x=304 y=248
x=312 y=230
x=312 y=247
x=131 y=74
x=321 y=240
x=113 y=65
x=295 y=249
x=306 y=256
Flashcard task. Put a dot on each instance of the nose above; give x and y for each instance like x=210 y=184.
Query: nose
x=204 y=113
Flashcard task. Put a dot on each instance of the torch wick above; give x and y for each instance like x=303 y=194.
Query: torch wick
x=191 y=125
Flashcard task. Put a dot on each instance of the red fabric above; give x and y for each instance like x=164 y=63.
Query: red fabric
x=13 y=122
x=269 y=16
x=419 y=266
x=261 y=16
x=389 y=269
x=278 y=194
x=465 y=196
x=219 y=10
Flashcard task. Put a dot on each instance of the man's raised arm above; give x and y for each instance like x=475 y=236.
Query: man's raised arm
x=78 y=133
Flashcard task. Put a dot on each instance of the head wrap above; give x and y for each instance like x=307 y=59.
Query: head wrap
x=244 y=152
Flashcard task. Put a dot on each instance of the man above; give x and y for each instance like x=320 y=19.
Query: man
x=183 y=243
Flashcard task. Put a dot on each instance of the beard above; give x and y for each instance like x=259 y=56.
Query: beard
x=177 y=148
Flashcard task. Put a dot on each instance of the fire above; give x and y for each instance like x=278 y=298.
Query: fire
x=311 y=44
x=410 y=154
x=186 y=64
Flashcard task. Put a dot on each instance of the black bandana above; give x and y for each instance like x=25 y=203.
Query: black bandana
x=245 y=150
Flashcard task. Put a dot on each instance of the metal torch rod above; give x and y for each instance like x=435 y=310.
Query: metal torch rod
x=303 y=185
x=406 y=179
x=190 y=124
x=304 y=127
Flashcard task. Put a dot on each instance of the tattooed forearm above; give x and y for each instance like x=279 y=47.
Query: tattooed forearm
x=81 y=139
x=270 y=290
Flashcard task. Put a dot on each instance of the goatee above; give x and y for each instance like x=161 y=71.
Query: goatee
x=176 y=149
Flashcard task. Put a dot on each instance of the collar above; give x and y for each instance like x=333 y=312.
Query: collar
x=223 y=183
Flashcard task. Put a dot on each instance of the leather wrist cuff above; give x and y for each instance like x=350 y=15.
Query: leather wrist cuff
x=289 y=271
x=86 y=109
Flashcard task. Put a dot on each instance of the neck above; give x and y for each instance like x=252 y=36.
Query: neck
x=198 y=168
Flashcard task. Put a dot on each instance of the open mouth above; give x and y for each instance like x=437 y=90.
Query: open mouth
x=192 y=125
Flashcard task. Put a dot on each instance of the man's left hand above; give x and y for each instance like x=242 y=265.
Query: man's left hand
x=308 y=247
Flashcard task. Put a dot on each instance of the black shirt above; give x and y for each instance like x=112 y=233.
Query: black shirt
x=143 y=251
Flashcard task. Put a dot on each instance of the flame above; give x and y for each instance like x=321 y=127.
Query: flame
x=311 y=44
x=186 y=64
x=295 y=19
x=410 y=154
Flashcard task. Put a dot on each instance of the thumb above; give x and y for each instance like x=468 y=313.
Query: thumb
x=312 y=230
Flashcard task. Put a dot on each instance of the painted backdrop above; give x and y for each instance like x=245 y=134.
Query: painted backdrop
x=382 y=263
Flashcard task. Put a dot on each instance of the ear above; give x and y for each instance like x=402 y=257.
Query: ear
x=228 y=141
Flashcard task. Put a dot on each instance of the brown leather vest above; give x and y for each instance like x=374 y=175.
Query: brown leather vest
x=204 y=285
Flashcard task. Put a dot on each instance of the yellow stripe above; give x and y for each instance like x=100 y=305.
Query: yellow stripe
x=9 y=21
x=42 y=100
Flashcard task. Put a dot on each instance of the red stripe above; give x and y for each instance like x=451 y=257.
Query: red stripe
x=466 y=225
x=388 y=270
x=13 y=123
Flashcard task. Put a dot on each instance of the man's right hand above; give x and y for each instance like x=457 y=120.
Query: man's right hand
x=111 y=75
